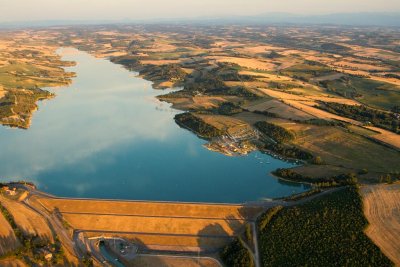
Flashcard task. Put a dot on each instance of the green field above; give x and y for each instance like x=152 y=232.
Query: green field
x=372 y=93
x=342 y=148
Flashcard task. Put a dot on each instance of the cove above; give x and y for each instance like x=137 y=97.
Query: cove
x=107 y=136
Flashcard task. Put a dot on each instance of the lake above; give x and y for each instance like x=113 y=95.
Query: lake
x=107 y=136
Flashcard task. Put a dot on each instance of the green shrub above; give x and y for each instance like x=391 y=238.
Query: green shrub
x=237 y=255
x=277 y=133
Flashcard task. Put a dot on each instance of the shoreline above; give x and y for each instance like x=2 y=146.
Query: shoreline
x=34 y=187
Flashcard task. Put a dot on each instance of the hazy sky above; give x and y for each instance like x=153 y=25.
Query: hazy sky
x=25 y=10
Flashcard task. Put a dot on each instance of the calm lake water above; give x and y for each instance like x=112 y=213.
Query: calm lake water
x=107 y=136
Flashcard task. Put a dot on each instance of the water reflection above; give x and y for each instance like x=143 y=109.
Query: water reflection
x=107 y=136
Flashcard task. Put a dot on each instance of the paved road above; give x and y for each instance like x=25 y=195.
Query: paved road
x=56 y=226
x=255 y=242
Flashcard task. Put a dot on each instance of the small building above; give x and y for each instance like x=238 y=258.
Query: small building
x=11 y=192
x=48 y=256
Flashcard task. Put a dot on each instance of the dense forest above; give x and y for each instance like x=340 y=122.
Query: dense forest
x=236 y=255
x=386 y=120
x=342 y=179
x=326 y=231
x=277 y=133
x=196 y=125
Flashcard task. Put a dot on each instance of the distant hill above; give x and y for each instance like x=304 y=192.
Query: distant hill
x=356 y=19
x=351 y=19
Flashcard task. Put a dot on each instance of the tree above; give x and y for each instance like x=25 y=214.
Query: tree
x=395 y=125
x=318 y=160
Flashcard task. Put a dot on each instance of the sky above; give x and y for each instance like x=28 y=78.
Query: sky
x=34 y=10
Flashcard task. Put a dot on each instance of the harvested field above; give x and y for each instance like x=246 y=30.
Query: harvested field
x=385 y=136
x=253 y=84
x=161 y=47
x=325 y=98
x=231 y=125
x=249 y=117
x=370 y=52
x=249 y=63
x=166 y=84
x=362 y=130
x=382 y=209
x=358 y=66
x=259 y=49
x=353 y=72
x=226 y=43
x=271 y=77
x=281 y=109
x=159 y=62
x=12 y=262
x=27 y=220
x=393 y=81
x=328 y=77
x=199 y=102
x=307 y=107
x=286 y=63
x=170 y=261
x=339 y=148
x=306 y=104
